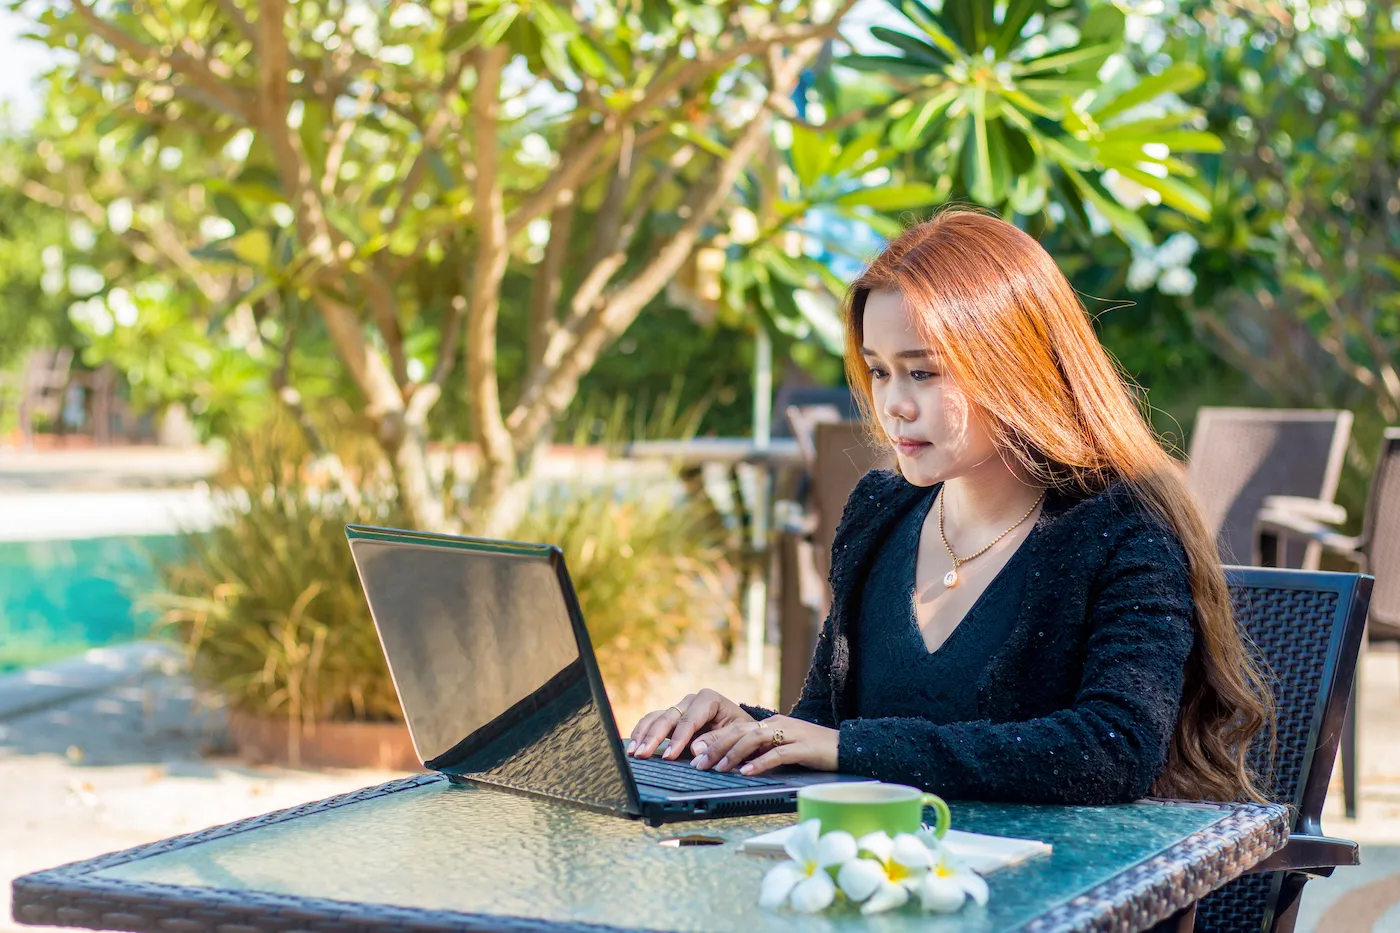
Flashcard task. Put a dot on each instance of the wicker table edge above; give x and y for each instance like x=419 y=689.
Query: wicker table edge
x=70 y=895
x=1177 y=877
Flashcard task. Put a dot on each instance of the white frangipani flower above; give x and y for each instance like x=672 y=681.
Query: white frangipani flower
x=1177 y=281
x=948 y=882
x=1177 y=250
x=804 y=882
x=884 y=881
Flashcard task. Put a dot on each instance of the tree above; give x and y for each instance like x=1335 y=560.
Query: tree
x=350 y=195
x=31 y=272
x=381 y=167
x=1040 y=104
x=1300 y=287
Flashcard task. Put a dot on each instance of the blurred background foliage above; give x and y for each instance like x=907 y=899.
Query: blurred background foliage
x=1217 y=177
x=337 y=231
x=222 y=251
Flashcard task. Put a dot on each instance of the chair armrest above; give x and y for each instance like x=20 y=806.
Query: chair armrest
x=1316 y=509
x=1280 y=522
x=1316 y=855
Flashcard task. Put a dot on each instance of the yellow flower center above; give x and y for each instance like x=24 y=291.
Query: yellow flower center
x=943 y=871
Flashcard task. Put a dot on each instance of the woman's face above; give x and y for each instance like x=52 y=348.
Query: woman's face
x=938 y=434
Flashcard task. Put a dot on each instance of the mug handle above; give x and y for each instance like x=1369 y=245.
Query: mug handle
x=945 y=817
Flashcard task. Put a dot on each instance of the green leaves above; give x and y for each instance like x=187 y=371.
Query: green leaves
x=1007 y=107
x=892 y=198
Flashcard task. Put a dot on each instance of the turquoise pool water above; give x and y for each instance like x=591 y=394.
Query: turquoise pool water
x=58 y=598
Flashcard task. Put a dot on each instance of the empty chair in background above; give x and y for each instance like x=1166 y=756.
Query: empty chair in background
x=1239 y=456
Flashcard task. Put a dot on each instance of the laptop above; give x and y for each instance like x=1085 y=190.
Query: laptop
x=499 y=685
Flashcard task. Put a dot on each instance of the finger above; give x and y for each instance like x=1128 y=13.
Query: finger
x=775 y=757
x=750 y=743
x=640 y=730
x=697 y=715
x=644 y=729
x=719 y=742
x=660 y=728
x=702 y=742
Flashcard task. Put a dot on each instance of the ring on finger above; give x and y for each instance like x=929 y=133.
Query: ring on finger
x=679 y=712
x=778 y=737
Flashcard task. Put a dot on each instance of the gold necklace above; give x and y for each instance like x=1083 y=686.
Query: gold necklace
x=950 y=579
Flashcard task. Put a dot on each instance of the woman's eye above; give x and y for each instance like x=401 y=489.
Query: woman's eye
x=921 y=375
x=877 y=373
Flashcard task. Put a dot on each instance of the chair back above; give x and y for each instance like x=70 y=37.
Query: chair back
x=844 y=454
x=1381 y=538
x=46 y=373
x=1240 y=455
x=803 y=419
x=1306 y=627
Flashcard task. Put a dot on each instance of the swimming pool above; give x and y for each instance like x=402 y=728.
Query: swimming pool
x=60 y=597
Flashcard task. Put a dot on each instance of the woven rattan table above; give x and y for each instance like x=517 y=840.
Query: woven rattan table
x=422 y=855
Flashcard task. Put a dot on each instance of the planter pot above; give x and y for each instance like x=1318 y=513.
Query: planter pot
x=384 y=746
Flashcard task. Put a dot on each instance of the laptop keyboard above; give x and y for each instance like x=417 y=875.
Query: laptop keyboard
x=680 y=777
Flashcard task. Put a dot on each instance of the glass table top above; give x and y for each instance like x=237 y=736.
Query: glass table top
x=437 y=846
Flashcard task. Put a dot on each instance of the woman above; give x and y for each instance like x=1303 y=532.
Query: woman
x=1029 y=607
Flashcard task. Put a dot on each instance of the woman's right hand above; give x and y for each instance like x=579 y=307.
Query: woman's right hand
x=703 y=711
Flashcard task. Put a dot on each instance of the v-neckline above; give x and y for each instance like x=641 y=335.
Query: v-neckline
x=976 y=603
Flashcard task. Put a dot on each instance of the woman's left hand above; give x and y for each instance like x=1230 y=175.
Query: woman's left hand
x=756 y=747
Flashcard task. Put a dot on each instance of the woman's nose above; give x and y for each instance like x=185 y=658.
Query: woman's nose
x=900 y=405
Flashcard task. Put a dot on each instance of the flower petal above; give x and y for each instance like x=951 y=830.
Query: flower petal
x=913 y=879
x=860 y=877
x=813 y=893
x=801 y=845
x=929 y=839
x=887 y=897
x=778 y=884
x=835 y=848
x=943 y=895
x=877 y=844
x=974 y=884
x=907 y=850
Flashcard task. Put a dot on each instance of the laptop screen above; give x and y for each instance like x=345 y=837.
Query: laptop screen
x=486 y=657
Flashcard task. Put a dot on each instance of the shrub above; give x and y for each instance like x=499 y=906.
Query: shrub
x=269 y=607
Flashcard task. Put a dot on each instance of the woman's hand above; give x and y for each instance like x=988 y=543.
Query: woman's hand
x=697 y=711
x=762 y=746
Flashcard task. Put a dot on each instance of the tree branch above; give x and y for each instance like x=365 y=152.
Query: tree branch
x=571 y=173
x=195 y=68
x=490 y=265
x=554 y=385
x=240 y=21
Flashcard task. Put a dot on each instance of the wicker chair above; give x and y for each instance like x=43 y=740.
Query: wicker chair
x=1240 y=455
x=1376 y=550
x=1307 y=626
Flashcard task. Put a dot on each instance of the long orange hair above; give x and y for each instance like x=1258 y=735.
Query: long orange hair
x=995 y=305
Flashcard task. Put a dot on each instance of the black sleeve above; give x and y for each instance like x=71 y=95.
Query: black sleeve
x=1109 y=746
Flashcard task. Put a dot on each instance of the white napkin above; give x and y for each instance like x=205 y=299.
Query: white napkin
x=983 y=854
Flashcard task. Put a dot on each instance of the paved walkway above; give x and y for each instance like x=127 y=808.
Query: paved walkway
x=134 y=761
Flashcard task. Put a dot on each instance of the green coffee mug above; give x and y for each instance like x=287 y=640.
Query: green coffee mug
x=866 y=807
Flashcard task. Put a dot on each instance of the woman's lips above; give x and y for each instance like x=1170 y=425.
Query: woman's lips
x=911 y=448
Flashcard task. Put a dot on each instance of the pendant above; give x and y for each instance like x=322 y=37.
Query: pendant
x=950 y=578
